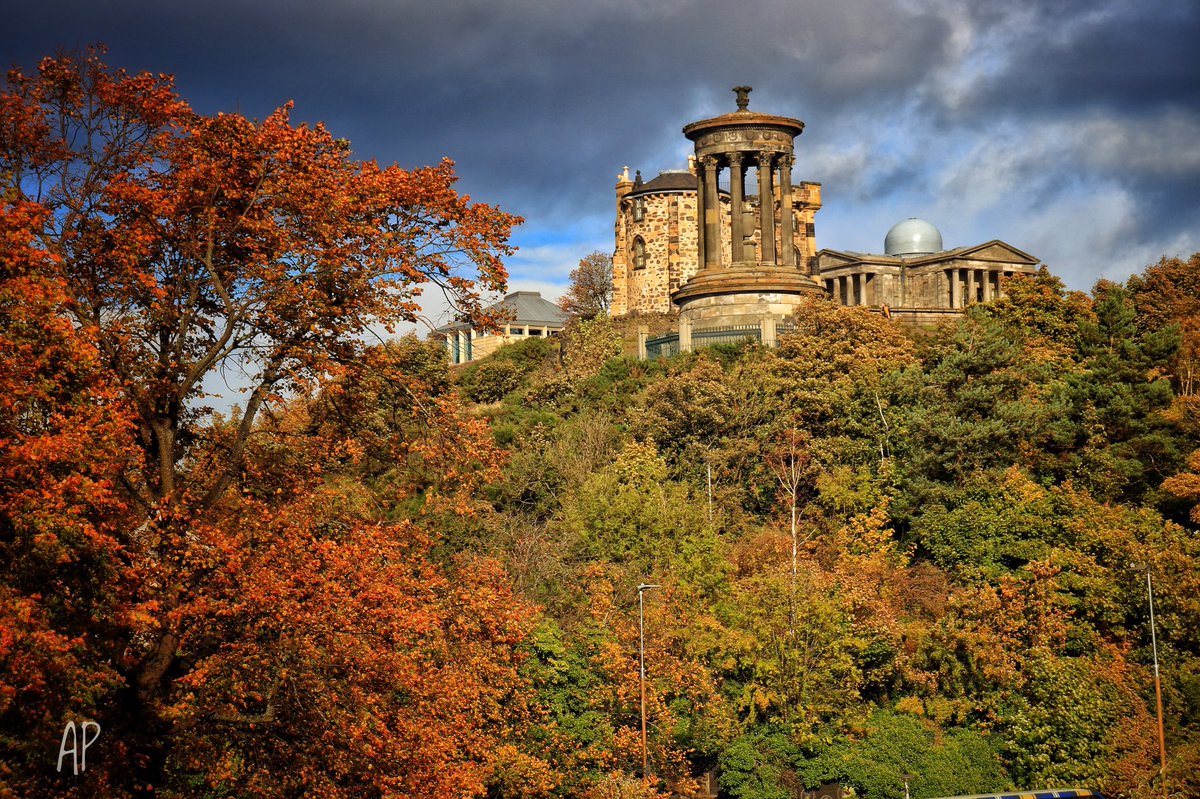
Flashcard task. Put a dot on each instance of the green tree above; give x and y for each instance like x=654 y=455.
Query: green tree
x=1168 y=293
x=1119 y=397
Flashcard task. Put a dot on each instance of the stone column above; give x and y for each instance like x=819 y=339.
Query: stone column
x=701 y=204
x=737 y=201
x=685 y=334
x=987 y=285
x=787 y=227
x=972 y=287
x=712 y=212
x=955 y=289
x=766 y=208
x=643 y=332
x=770 y=331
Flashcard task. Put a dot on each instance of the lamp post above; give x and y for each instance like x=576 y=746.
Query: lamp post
x=1162 y=745
x=907 y=779
x=642 y=589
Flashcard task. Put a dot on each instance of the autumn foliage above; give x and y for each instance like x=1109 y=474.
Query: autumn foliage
x=153 y=583
x=874 y=552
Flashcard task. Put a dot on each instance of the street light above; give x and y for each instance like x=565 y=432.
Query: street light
x=1162 y=745
x=907 y=779
x=642 y=589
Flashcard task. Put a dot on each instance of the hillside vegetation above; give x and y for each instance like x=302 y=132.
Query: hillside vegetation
x=873 y=552
x=881 y=552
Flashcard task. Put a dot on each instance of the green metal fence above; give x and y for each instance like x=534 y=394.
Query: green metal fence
x=725 y=335
x=667 y=344
x=662 y=346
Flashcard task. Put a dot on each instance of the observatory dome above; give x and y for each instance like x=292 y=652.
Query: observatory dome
x=912 y=237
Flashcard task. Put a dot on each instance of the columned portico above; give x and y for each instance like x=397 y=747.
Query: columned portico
x=736 y=142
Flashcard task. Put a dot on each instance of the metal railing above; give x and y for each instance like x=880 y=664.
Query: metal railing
x=662 y=346
x=725 y=335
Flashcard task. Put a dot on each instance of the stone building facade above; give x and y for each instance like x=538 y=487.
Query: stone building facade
x=720 y=272
x=656 y=230
x=922 y=288
x=521 y=315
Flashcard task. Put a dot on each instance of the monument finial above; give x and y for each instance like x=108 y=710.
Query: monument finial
x=743 y=96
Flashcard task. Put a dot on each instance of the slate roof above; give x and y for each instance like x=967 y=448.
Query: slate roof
x=529 y=308
x=525 y=308
x=667 y=182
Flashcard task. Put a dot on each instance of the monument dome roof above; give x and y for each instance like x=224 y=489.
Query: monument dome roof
x=912 y=237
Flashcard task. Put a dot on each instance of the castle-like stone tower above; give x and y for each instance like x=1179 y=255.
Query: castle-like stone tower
x=663 y=246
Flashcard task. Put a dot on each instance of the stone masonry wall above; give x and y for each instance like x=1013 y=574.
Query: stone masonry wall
x=669 y=229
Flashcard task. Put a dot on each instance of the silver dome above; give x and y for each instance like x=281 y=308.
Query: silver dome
x=912 y=237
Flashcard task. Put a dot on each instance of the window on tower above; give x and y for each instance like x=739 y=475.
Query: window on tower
x=639 y=253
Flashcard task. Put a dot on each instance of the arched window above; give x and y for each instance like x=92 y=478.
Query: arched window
x=639 y=253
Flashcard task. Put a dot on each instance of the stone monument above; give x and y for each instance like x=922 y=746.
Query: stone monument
x=761 y=281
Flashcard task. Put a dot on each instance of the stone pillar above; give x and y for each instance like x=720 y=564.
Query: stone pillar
x=737 y=202
x=712 y=212
x=766 y=208
x=643 y=333
x=955 y=289
x=701 y=204
x=987 y=285
x=787 y=216
x=770 y=331
x=685 y=334
x=972 y=287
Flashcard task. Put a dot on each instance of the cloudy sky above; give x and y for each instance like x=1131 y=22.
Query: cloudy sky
x=1068 y=128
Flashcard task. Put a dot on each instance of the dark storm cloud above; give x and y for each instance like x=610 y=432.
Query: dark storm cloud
x=546 y=95
x=1122 y=56
x=541 y=102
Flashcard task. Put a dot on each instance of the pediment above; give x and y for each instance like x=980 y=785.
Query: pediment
x=999 y=251
x=832 y=259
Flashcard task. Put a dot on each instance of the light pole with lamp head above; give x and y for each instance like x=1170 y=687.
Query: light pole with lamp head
x=642 y=589
x=1162 y=744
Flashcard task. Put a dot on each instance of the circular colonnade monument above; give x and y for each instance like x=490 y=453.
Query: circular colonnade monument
x=758 y=282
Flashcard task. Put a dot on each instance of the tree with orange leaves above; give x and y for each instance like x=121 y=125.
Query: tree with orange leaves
x=196 y=244
x=65 y=589
x=175 y=246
